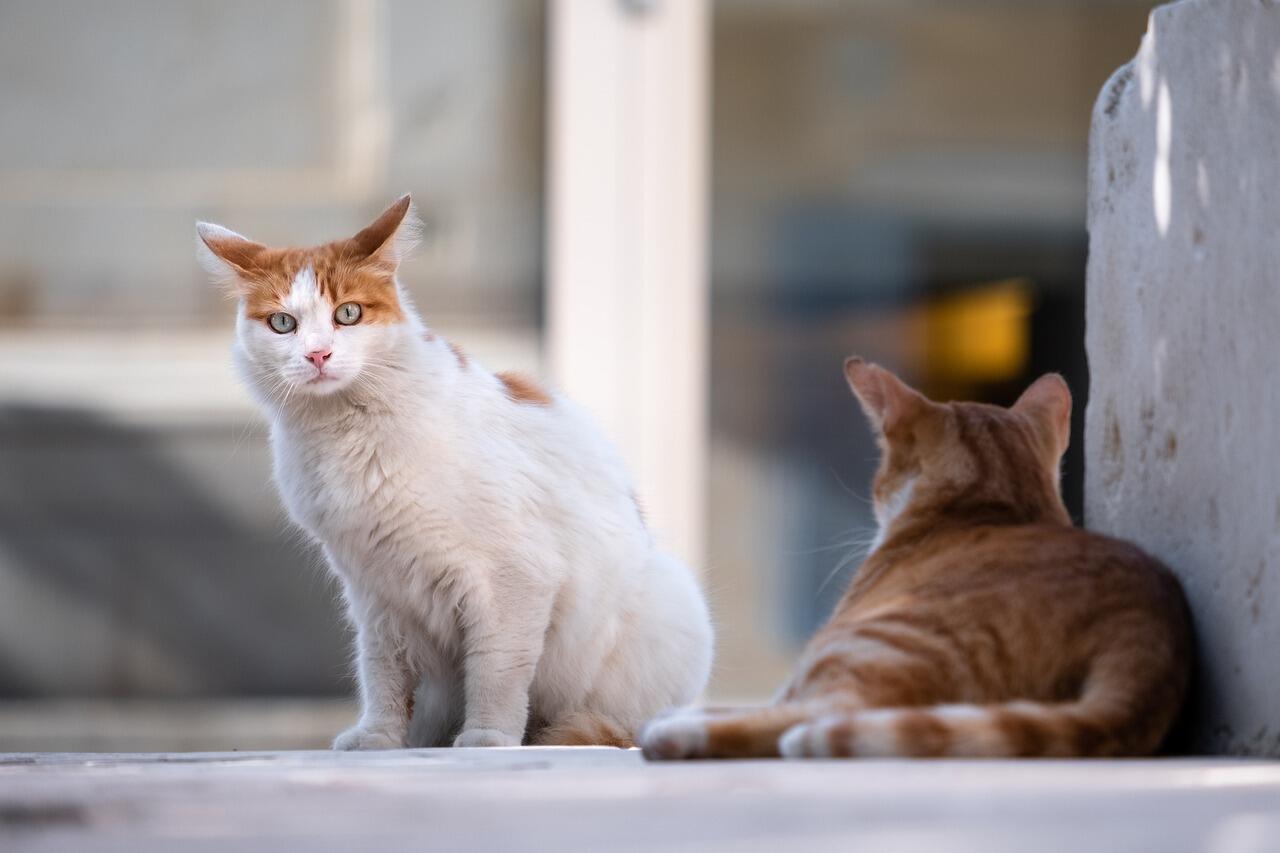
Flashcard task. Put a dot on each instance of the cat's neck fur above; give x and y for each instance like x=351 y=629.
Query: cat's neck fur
x=930 y=515
x=965 y=509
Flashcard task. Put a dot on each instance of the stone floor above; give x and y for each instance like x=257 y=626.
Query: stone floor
x=587 y=799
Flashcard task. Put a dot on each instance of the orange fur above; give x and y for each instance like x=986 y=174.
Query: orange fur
x=458 y=353
x=359 y=269
x=984 y=624
x=522 y=389
x=583 y=728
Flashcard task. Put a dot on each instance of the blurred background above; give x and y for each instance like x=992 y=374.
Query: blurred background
x=904 y=180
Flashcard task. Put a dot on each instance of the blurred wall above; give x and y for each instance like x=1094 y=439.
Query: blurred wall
x=896 y=179
x=902 y=180
x=294 y=120
x=142 y=551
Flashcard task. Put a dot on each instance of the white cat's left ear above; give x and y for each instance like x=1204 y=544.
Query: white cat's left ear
x=389 y=238
x=226 y=255
x=1049 y=400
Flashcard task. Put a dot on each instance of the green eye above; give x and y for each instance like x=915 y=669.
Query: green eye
x=282 y=323
x=348 y=314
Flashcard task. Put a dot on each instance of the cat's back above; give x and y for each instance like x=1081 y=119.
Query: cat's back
x=1052 y=572
x=1023 y=609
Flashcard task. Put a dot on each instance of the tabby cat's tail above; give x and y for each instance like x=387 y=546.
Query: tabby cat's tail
x=1125 y=709
x=1103 y=722
x=1012 y=730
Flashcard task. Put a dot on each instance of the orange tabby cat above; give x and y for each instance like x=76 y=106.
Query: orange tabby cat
x=982 y=623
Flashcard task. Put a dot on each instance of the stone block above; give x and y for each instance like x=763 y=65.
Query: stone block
x=1182 y=435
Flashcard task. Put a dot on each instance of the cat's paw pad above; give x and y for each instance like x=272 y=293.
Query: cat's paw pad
x=808 y=740
x=682 y=734
x=485 y=737
x=361 y=738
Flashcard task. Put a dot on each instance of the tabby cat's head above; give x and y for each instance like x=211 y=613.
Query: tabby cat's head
x=984 y=462
x=313 y=321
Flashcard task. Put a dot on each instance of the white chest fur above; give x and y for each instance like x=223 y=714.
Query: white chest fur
x=478 y=529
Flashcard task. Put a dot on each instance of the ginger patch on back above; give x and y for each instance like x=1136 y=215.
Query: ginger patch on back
x=523 y=389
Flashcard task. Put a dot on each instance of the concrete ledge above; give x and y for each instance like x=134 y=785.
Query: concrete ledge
x=591 y=799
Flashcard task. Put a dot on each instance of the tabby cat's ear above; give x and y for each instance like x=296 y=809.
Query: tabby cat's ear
x=225 y=255
x=886 y=399
x=388 y=239
x=1048 y=402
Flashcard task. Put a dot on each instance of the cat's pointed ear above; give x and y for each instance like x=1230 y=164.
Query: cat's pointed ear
x=389 y=238
x=225 y=255
x=1048 y=401
x=886 y=399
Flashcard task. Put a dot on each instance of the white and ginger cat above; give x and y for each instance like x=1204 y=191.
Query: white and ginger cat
x=982 y=623
x=494 y=561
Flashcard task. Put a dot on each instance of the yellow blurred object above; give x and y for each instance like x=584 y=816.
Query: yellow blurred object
x=979 y=335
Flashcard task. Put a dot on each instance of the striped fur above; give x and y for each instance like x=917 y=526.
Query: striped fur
x=982 y=624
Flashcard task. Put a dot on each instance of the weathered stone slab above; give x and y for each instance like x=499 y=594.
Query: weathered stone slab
x=1182 y=434
x=592 y=799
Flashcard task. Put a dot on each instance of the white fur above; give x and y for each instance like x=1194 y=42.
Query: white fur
x=809 y=740
x=889 y=510
x=959 y=713
x=490 y=552
x=682 y=734
x=873 y=736
x=803 y=740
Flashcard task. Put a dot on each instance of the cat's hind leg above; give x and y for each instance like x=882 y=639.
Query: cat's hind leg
x=584 y=728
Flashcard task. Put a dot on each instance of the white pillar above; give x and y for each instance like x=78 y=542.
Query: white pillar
x=1182 y=433
x=626 y=240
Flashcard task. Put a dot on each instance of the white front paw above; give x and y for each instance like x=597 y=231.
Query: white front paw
x=485 y=737
x=361 y=738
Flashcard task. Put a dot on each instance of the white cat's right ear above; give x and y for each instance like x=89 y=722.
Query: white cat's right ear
x=388 y=239
x=886 y=399
x=226 y=255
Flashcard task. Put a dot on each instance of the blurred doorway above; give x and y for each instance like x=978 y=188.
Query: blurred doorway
x=904 y=181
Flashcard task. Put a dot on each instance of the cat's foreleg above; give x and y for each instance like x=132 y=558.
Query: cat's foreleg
x=504 y=640
x=386 y=682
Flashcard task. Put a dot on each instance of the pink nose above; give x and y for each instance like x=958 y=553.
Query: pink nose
x=318 y=357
